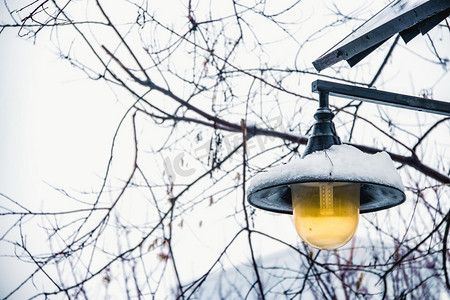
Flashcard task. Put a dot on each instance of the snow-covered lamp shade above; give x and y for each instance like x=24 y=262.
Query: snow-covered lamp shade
x=329 y=187
x=334 y=178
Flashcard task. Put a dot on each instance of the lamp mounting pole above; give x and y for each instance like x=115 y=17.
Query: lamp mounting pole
x=324 y=133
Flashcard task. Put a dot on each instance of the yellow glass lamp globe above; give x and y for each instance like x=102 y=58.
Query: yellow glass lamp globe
x=326 y=214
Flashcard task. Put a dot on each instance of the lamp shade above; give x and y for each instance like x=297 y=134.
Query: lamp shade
x=380 y=184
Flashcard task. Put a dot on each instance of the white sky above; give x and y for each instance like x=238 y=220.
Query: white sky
x=56 y=128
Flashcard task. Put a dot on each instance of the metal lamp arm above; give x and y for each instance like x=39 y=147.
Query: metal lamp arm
x=381 y=97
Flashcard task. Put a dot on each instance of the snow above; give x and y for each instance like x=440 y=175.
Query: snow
x=338 y=163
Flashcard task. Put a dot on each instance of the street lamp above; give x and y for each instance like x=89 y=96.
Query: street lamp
x=332 y=184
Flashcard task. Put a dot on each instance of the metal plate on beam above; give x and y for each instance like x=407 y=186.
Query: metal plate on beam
x=398 y=16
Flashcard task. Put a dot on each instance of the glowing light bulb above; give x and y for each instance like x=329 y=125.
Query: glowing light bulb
x=326 y=213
